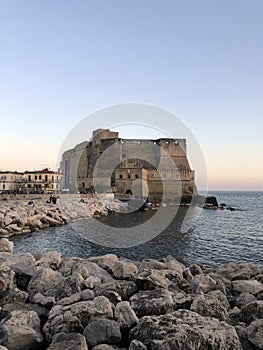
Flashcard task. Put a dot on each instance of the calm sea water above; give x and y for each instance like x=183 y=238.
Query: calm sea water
x=216 y=237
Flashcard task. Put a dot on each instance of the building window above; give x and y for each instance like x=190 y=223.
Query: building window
x=121 y=176
x=29 y=177
x=129 y=176
x=52 y=177
x=35 y=177
x=46 y=177
x=40 y=177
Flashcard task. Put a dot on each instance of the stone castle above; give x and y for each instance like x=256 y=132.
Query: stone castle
x=146 y=168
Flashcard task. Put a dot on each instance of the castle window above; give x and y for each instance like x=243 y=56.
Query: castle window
x=129 y=176
x=136 y=176
x=121 y=176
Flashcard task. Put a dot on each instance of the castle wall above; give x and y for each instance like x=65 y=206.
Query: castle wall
x=153 y=161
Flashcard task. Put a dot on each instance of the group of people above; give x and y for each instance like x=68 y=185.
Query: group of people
x=53 y=199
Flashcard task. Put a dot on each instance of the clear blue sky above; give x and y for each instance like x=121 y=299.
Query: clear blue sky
x=202 y=60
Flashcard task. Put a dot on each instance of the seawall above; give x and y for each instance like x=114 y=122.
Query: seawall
x=31 y=213
x=107 y=302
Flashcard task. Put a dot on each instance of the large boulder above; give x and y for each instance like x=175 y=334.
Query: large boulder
x=238 y=270
x=6 y=245
x=50 y=259
x=117 y=290
x=6 y=280
x=243 y=286
x=207 y=305
x=185 y=330
x=74 y=318
x=255 y=333
x=21 y=331
x=50 y=283
x=102 y=331
x=252 y=311
x=86 y=273
x=202 y=284
x=68 y=341
x=125 y=315
x=124 y=269
x=105 y=261
x=152 y=302
x=137 y=345
x=244 y=299
x=9 y=259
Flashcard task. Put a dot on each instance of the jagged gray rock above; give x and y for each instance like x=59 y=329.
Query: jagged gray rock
x=207 y=305
x=252 y=311
x=50 y=259
x=244 y=299
x=51 y=283
x=6 y=245
x=238 y=270
x=152 y=302
x=21 y=331
x=125 y=315
x=6 y=280
x=202 y=284
x=243 y=286
x=255 y=333
x=68 y=341
x=124 y=269
x=75 y=317
x=185 y=330
x=102 y=331
x=105 y=261
x=137 y=345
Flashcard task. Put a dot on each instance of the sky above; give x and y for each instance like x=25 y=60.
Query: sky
x=63 y=60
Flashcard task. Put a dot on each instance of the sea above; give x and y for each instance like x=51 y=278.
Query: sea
x=203 y=236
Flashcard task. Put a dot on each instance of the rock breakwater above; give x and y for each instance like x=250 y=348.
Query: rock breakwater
x=25 y=216
x=107 y=302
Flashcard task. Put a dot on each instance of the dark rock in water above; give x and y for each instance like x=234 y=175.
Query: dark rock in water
x=211 y=200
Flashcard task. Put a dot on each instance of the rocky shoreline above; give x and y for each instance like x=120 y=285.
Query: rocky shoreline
x=25 y=216
x=107 y=302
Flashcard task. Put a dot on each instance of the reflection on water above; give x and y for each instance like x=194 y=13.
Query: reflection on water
x=215 y=238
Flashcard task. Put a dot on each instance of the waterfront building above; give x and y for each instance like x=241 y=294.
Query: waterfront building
x=166 y=165
x=10 y=181
x=42 y=181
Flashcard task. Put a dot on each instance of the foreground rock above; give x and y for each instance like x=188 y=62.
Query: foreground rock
x=107 y=303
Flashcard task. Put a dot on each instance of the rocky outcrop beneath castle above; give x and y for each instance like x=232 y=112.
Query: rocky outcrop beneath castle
x=107 y=302
x=27 y=216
